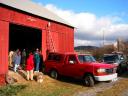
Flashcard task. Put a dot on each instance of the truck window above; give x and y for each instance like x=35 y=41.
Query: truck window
x=50 y=56
x=72 y=58
x=89 y=58
x=81 y=58
x=111 y=58
x=55 y=57
x=86 y=58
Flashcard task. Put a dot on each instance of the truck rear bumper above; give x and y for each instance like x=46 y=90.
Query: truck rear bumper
x=106 y=77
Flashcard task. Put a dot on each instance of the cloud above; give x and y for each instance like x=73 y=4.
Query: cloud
x=90 y=28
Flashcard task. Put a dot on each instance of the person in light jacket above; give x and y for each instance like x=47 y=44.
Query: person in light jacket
x=17 y=60
x=10 y=59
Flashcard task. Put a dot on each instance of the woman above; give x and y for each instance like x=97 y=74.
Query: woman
x=30 y=66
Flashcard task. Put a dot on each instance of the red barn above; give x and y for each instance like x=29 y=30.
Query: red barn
x=26 y=25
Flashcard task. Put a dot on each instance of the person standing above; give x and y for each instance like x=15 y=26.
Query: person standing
x=10 y=58
x=17 y=60
x=41 y=66
x=30 y=66
x=23 y=58
x=37 y=60
x=14 y=55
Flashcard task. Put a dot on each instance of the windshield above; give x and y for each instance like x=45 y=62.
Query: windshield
x=111 y=58
x=86 y=58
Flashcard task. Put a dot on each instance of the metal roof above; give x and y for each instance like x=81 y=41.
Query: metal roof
x=33 y=8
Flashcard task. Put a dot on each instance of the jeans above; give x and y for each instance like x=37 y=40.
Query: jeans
x=16 y=67
x=37 y=66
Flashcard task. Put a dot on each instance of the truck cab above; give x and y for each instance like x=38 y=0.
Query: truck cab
x=118 y=59
x=80 y=66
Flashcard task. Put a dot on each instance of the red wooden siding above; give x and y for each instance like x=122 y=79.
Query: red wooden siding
x=4 y=32
x=65 y=40
x=2 y=79
x=5 y=14
x=20 y=18
x=44 y=44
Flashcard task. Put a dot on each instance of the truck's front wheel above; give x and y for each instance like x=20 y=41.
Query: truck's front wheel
x=54 y=74
x=88 y=81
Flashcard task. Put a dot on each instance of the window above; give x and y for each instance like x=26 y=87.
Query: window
x=50 y=57
x=111 y=58
x=89 y=58
x=55 y=57
x=72 y=58
x=86 y=58
x=81 y=58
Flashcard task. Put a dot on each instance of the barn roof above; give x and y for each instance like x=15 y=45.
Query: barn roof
x=35 y=9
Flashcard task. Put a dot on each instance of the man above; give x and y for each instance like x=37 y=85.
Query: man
x=17 y=60
x=37 y=60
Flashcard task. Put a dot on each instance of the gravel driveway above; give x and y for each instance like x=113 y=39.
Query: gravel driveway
x=100 y=87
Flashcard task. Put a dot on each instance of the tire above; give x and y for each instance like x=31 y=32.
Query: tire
x=89 y=81
x=119 y=70
x=54 y=74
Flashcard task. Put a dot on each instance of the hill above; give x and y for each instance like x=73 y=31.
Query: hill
x=86 y=48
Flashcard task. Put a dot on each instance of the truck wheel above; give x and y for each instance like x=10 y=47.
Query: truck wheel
x=119 y=70
x=54 y=74
x=89 y=81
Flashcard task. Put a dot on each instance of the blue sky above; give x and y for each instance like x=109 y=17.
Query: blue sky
x=111 y=15
x=98 y=7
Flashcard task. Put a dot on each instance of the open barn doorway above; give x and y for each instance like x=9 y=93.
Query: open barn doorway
x=22 y=37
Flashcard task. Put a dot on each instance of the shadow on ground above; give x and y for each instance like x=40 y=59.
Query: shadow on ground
x=124 y=75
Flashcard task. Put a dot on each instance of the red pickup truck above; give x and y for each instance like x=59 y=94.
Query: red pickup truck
x=81 y=66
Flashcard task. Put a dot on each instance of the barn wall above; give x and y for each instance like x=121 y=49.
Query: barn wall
x=62 y=35
x=4 y=29
x=44 y=43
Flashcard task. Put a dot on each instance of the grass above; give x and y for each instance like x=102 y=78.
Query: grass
x=11 y=90
x=51 y=87
x=64 y=87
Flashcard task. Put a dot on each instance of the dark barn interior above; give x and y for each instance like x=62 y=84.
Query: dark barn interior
x=22 y=37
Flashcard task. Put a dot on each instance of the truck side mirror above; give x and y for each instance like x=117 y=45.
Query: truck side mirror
x=71 y=62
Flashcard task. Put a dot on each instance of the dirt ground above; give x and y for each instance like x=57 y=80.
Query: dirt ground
x=99 y=88
x=115 y=88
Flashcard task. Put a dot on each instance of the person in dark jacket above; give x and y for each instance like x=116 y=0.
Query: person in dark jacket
x=37 y=60
x=41 y=66
x=30 y=66
x=23 y=58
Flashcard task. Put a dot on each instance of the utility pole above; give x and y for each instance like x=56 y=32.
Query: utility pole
x=103 y=38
